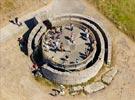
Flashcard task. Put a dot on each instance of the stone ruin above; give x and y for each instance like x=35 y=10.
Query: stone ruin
x=71 y=66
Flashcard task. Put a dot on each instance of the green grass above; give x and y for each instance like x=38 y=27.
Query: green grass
x=121 y=12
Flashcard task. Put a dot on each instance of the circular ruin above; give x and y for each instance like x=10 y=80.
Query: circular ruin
x=71 y=48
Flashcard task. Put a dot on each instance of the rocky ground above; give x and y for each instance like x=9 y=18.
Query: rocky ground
x=17 y=83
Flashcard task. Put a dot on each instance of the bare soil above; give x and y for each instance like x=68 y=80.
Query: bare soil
x=16 y=8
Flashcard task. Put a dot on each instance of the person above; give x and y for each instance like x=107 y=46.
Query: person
x=66 y=58
x=46 y=47
x=34 y=69
x=85 y=34
x=94 y=44
x=61 y=29
x=72 y=37
x=89 y=39
x=61 y=47
x=77 y=60
x=34 y=66
x=71 y=27
x=22 y=42
x=17 y=21
x=50 y=42
x=11 y=21
x=58 y=35
x=86 y=53
x=56 y=45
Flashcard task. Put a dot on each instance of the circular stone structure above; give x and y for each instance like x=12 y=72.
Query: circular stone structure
x=66 y=54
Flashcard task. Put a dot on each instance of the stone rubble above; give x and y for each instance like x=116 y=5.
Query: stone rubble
x=94 y=87
x=108 y=77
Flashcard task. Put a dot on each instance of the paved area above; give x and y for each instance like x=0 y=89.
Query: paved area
x=75 y=51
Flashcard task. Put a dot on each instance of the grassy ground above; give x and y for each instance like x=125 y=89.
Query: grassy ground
x=12 y=8
x=121 y=12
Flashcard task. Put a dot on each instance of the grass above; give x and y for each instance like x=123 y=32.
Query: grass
x=121 y=12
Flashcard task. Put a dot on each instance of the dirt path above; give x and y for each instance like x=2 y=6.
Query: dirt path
x=16 y=82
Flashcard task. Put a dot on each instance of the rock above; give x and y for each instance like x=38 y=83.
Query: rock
x=108 y=77
x=94 y=87
x=74 y=93
x=62 y=93
x=75 y=90
x=62 y=87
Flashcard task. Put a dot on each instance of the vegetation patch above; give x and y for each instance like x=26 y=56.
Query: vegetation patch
x=121 y=12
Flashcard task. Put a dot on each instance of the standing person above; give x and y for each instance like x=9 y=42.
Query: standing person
x=89 y=40
x=72 y=37
x=20 y=42
x=86 y=53
x=56 y=45
x=61 y=47
x=87 y=36
x=66 y=58
x=34 y=66
x=34 y=69
x=61 y=29
x=17 y=21
x=71 y=27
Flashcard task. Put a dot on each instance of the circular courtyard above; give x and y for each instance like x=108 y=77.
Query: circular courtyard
x=68 y=48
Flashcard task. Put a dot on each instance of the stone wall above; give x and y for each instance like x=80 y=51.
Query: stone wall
x=77 y=77
x=103 y=52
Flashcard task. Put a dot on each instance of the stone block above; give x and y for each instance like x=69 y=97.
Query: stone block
x=108 y=77
x=77 y=88
x=94 y=87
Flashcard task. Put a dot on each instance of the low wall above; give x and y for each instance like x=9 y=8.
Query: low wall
x=77 y=77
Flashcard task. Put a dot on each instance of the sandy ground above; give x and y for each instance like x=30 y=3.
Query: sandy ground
x=17 y=83
x=9 y=9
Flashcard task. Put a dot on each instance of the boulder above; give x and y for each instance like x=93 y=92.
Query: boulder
x=94 y=87
x=108 y=77
x=75 y=90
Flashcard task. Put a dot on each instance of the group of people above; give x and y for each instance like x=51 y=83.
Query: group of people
x=36 y=70
x=91 y=42
x=16 y=21
x=52 y=40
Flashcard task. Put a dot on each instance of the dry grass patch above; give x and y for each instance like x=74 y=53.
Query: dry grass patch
x=12 y=8
x=121 y=12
